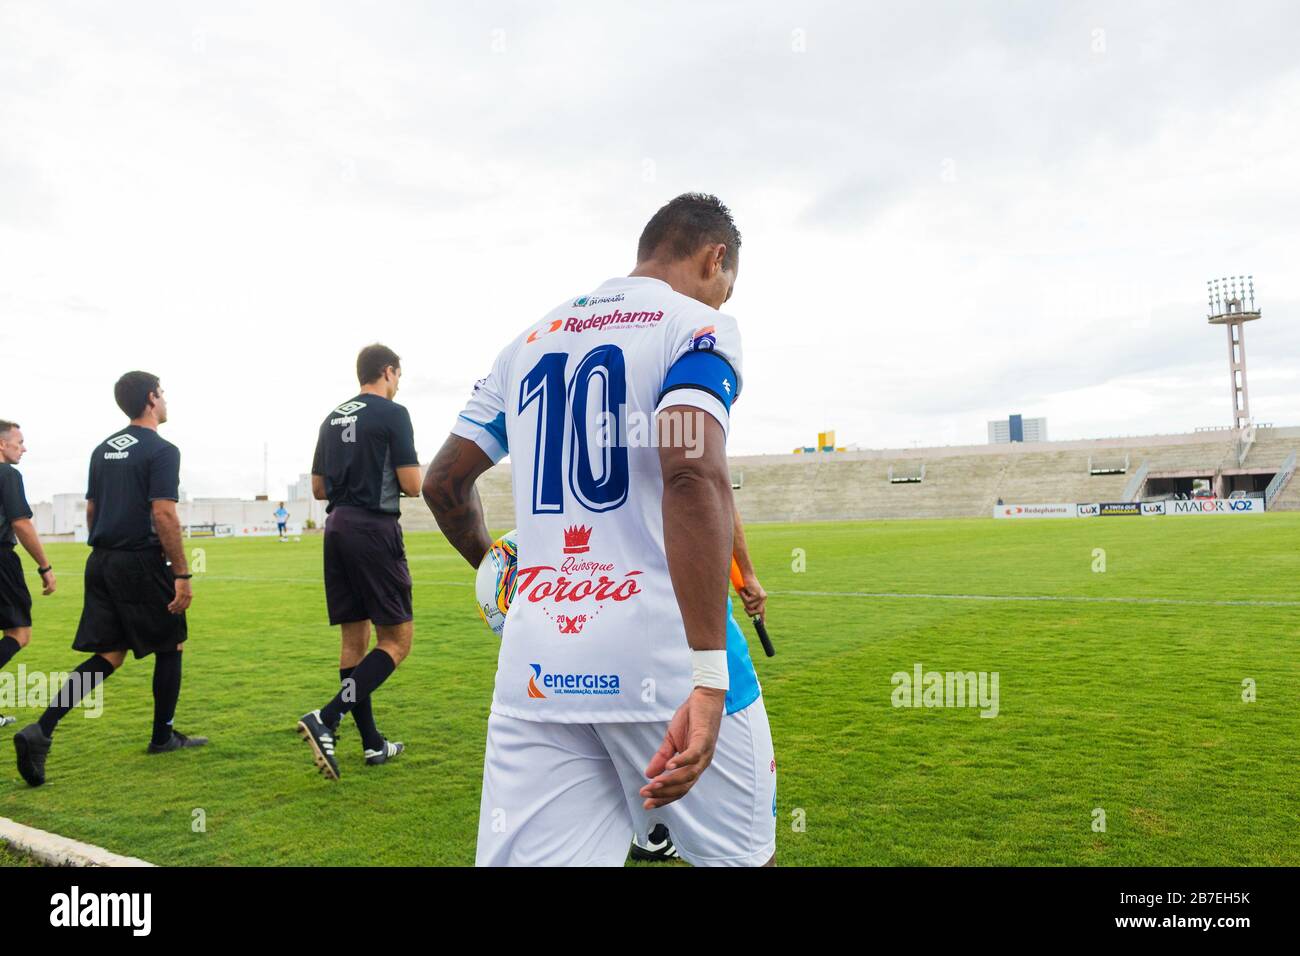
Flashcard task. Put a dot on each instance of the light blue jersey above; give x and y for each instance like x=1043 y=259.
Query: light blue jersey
x=744 y=689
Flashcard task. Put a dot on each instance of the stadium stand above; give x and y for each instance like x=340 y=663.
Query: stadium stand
x=960 y=481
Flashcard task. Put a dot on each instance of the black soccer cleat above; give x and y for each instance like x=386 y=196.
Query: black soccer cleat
x=385 y=753
x=33 y=747
x=6 y=720
x=655 y=848
x=178 y=742
x=321 y=737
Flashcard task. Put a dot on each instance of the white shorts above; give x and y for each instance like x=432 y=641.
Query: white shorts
x=567 y=794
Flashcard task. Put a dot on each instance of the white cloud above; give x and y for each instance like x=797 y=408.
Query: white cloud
x=950 y=212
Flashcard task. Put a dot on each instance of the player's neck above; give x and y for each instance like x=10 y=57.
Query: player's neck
x=375 y=388
x=675 y=274
x=150 y=423
x=663 y=271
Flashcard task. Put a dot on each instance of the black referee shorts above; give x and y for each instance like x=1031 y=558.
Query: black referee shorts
x=125 y=607
x=366 y=576
x=15 y=599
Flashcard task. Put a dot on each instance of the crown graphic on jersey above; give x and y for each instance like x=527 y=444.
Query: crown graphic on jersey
x=576 y=538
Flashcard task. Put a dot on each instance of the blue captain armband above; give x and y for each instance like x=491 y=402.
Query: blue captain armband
x=703 y=371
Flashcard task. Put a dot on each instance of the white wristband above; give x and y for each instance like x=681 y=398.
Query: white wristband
x=709 y=669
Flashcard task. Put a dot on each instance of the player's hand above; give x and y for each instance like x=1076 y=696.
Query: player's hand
x=48 y=583
x=687 y=749
x=184 y=595
x=754 y=597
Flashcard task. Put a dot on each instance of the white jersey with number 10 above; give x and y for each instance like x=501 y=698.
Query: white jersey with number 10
x=594 y=633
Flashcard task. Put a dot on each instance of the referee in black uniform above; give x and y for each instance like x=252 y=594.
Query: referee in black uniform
x=15 y=527
x=137 y=584
x=365 y=460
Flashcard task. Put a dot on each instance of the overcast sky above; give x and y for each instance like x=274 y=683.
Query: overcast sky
x=950 y=211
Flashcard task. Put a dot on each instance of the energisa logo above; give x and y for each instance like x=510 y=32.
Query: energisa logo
x=103 y=909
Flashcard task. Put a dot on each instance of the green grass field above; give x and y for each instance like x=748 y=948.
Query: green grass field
x=1107 y=700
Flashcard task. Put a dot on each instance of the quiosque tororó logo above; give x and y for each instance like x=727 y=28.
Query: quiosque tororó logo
x=573 y=591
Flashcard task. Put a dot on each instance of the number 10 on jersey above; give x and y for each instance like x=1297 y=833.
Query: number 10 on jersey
x=598 y=387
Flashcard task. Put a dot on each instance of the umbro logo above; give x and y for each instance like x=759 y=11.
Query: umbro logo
x=122 y=442
x=347 y=408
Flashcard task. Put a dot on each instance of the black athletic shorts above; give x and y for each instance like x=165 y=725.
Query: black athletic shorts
x=125 y=607
x=366 y=577
x=15 y=599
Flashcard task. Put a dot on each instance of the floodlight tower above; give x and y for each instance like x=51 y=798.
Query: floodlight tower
x=1232 y=304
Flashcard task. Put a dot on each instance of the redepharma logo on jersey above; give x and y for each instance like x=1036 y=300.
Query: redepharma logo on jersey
x=618 y=319
x=573 y=591
x=574 y=685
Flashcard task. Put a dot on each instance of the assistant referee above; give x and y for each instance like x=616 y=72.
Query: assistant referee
x=365 y=461
x=16 y=527
x=137 y=583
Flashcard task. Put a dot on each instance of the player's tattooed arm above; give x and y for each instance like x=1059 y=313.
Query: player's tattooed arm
x=450 y=493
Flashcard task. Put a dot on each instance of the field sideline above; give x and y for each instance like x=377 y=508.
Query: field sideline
x=1122 y=692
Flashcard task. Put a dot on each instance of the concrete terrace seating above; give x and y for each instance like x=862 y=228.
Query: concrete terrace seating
x=959 y=481
x=1272 y=446
x=1195 y=456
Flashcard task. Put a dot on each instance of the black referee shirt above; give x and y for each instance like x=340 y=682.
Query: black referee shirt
x=361 y=445
x=13 y=503
x=128 y=472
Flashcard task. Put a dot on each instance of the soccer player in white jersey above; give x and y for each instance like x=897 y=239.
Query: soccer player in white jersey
x=608 y=713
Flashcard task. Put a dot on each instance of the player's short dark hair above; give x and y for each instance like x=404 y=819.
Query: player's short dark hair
x=132 y=392
x=686 y=223
x=373 y=359
x=7 y=426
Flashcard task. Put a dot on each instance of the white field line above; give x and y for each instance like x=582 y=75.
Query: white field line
x=1061 y=598
x=54 y=850
x=890 y=595
x=315 y=582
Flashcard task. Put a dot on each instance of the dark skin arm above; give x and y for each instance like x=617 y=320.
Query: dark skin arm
x=168 y=525
x=698 y=532
x=450 y=494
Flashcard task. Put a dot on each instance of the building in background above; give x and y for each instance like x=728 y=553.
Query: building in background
x=300 y=490
x=1017 y=428
x=206 y=517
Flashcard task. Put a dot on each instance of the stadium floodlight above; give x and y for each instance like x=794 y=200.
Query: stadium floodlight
x=1232 y=304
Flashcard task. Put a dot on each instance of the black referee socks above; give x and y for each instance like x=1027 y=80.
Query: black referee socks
x=8 y=648
x=364 y=715
x=366 y=678
x=89 y=674
x=166 y=691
